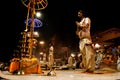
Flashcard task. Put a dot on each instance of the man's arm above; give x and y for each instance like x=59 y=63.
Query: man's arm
x=83 y=24
x=78 y=27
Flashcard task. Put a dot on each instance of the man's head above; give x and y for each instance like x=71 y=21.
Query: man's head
x=80 y=13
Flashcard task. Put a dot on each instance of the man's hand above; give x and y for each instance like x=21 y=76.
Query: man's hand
x=77 y=23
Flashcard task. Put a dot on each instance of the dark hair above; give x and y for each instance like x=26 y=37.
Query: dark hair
x=83 y=12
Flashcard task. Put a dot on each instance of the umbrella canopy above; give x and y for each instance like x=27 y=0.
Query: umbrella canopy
x=37 y=23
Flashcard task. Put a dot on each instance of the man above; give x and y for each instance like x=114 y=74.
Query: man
x=118 y=60
x=70 y=62
x=85 y=43
x=51 y=56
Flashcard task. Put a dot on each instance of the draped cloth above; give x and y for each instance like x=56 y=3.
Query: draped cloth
x=88 y=57
x=28 y=65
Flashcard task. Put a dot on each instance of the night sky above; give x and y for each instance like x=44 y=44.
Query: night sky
x=58 y=18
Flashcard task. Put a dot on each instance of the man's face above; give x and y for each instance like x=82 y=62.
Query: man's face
x=80 y=14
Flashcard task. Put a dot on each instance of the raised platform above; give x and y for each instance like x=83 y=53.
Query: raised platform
x=27 y=65
x=65 y=75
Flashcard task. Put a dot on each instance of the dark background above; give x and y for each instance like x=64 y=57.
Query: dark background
x=59 y=19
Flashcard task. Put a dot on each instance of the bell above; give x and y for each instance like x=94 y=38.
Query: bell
x=51 y=73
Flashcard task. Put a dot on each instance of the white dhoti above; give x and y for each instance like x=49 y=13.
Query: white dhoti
x=88 y=57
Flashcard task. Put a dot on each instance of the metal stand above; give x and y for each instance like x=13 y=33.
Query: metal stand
x=32 y=5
